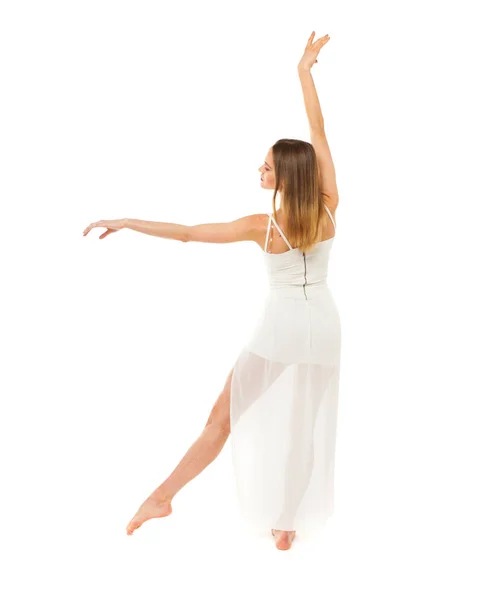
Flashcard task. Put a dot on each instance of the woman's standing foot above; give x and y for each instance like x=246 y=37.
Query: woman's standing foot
x=283 y=539
x=153 y=507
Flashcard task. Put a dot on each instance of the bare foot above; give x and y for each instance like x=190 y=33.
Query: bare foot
x=283 y=539
x=152 y=507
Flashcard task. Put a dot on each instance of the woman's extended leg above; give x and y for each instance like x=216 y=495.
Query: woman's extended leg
x=202 y=452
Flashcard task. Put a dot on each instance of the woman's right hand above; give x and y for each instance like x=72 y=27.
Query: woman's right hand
x=312 y=50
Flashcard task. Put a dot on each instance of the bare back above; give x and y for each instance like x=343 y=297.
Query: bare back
x=275 y=242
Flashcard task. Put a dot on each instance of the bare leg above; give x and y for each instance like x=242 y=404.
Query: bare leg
x=202 y=452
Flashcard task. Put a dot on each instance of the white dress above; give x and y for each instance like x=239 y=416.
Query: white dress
x=284 y=396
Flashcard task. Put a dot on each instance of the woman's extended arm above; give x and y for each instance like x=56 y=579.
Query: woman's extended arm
x=244 y=228
x=172 y=231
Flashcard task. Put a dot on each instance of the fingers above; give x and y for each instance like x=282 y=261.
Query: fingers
x=93 y=225
x=319 y=42
x=107 y=232
x=322 y=41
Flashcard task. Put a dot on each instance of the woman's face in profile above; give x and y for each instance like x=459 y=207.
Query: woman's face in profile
x=267 y=172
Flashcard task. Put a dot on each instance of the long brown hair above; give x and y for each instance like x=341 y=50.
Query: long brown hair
x=297 y=179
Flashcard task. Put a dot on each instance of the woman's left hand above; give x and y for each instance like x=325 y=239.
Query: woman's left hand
x=111 y=227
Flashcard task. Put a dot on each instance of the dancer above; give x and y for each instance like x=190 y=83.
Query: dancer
x=279 y=401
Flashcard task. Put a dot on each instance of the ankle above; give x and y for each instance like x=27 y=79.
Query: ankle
x=161 y=495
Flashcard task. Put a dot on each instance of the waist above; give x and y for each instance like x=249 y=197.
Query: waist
x=295 y=290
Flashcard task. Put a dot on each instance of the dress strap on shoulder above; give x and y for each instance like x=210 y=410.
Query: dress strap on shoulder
x=279 y=230
x=268 y=233
x=329 y=212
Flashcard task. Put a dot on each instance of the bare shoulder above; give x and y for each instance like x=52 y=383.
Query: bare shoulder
x=260 y=224
x=257 y=224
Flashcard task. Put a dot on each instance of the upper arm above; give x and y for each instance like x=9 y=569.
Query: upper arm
x=245 y=228
x=326 y=167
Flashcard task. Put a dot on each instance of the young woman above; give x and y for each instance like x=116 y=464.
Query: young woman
x=279 y=401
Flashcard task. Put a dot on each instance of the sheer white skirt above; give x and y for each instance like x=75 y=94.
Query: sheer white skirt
x=283 y=413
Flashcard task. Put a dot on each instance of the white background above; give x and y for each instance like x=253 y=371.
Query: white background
x=115 y=350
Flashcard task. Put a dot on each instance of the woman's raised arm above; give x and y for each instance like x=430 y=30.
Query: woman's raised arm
x=312 y=104
x=315 y=119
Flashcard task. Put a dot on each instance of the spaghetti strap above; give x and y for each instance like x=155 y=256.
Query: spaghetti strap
x=279 y=230
x=268 y=232
x=329 y=212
